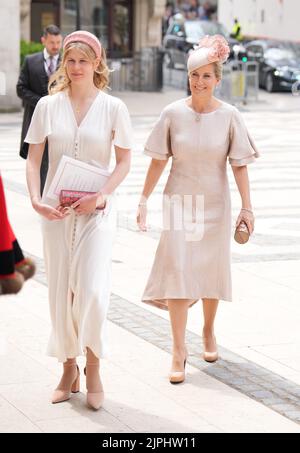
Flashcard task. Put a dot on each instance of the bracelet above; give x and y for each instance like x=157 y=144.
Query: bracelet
x=142 y=204
x=248 y=210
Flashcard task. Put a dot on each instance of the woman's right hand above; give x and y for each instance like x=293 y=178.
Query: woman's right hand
x=141 y=217
x=49 y=212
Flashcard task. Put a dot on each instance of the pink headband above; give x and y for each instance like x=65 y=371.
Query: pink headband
x=85 y=37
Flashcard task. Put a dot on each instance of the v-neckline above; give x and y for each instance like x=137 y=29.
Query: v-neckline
x=87 y=113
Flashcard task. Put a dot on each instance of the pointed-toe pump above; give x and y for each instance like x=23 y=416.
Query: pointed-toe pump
x=61 y=395
x=176 y=377
x=210 y=356
x=94 y=400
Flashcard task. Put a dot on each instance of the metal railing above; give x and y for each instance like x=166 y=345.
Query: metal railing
x=240 y=82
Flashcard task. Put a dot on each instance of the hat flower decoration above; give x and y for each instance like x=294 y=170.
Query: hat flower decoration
x=209 y=50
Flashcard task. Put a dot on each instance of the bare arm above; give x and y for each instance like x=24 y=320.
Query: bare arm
x=89 y=203
x=242 y=182
x=154 y=172
x=33 y=165
x=123 y=160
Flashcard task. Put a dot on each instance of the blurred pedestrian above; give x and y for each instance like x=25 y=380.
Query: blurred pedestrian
x=237 y=30
x=192 y=260
x=192 y=12
x=33 y=84
x=14 y=267
x=83 y=122
x=206 y=11
x=169 y=13
x=183 y=7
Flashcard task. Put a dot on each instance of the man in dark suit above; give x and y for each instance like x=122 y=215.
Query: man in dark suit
x=33 y=84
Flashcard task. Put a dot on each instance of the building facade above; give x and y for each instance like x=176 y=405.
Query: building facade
x=123 y=26
x=278 y=19
x=10 y=54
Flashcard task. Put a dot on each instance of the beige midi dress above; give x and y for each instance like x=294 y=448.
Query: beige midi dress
x=193 y=259
x=77 y=249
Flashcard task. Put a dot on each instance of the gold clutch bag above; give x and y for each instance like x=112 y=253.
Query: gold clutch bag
x=241 y=234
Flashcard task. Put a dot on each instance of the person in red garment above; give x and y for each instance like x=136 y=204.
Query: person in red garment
x=14 y=267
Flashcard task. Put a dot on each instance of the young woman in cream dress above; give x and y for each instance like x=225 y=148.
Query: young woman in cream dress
x=81 y=121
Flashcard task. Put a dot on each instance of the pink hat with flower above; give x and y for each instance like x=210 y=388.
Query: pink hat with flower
x=85 y=37
x=210 y=49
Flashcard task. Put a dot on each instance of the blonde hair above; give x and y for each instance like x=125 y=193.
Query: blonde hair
x=59 y=81
x=218 y=69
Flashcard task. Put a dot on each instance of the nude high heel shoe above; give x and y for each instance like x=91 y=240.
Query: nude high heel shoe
x=176 y=377
x=94 y=400
x=210 y=356
x=60 y=395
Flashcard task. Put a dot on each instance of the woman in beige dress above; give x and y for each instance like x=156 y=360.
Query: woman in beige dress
x=81 y=121
x=192 y=261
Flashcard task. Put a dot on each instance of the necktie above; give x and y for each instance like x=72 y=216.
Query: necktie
x=50 y=66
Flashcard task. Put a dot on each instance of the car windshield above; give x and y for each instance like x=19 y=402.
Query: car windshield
x=195 y=30
x=214 y=28
x=296 y=47
x=280 y=54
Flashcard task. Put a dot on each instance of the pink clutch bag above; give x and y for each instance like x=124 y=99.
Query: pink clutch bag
x=68 y=197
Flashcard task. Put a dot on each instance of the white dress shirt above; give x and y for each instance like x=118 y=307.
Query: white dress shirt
x=47 y=60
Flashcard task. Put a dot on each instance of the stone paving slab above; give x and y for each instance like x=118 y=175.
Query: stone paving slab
x=139 y=397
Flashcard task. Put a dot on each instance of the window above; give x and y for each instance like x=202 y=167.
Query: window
x=71 y=6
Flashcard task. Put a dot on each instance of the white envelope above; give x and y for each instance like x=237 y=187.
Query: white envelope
x=73 y=174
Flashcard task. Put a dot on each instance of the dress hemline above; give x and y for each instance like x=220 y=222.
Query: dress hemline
x=162 y=303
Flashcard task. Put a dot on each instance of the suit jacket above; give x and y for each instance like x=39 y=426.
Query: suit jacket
x=31 y=86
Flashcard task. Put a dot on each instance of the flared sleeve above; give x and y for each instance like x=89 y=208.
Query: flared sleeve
x=158 y=144
x=40 y=126
x=242 y=149
x=122 y=130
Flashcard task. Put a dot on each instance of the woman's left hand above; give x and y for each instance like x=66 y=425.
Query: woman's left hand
x=86 y=204
x=248 y=218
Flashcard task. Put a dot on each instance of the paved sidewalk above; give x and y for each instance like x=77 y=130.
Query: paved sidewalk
x=255 y=387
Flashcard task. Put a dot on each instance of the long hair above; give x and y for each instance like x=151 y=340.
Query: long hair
x=59 y=81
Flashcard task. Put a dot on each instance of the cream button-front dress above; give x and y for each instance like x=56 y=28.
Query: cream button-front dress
x=193 y=259
x=77 y=249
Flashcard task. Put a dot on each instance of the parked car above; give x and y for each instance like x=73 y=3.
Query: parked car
x=183 y=35
x=279 y=63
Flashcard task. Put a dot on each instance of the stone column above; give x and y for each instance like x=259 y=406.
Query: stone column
x=25 y=10
x=148 y=23
x=10 y=53
x=156 y=12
